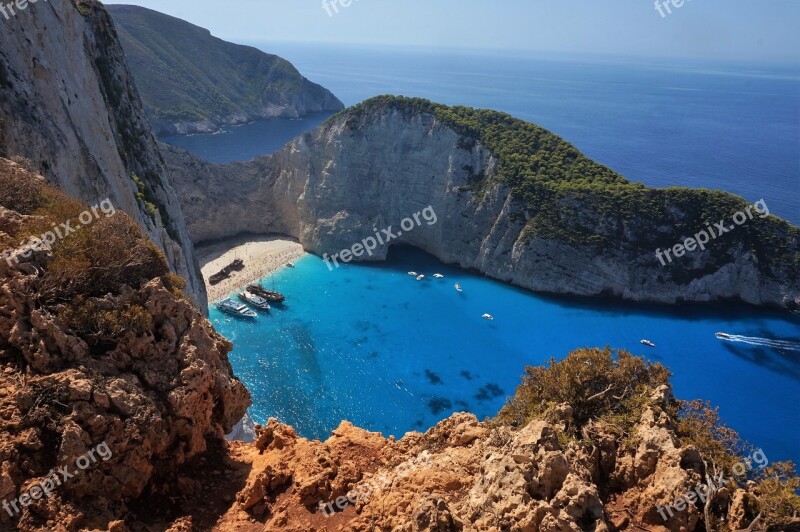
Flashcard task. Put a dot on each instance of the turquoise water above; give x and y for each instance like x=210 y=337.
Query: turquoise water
x=370 y=344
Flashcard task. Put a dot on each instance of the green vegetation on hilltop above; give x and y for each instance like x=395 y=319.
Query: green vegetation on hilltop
x=184 y=74
x=565 y=195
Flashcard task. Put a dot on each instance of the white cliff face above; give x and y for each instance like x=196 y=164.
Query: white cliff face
x=68 y=105
x=331 y=187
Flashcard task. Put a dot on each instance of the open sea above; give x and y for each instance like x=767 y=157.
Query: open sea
x=369 y=344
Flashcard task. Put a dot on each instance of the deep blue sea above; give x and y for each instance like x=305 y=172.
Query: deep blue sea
x=369 y=344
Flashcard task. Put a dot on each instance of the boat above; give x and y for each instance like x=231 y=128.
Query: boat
x=438 y=275
x=256 y=301
x=290 y=265
x=648 y=343
x=723 y=336
x=229 y=306
x=487 y=317
x=269 y=295
x=458 y=288
x=420 y=277
x=413 y=274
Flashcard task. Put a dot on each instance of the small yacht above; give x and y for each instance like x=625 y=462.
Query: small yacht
x=420 y=277
x=413 y=274
x=438 y=276
x=487 y=317
x=723 y=336
x=254 y=300
x=458 y=288
x=648 y=343
x=229 y=306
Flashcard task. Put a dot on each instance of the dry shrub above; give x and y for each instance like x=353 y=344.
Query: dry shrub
x=93 y=323
x=596 y=383
x=20 y=190
x=100 y=259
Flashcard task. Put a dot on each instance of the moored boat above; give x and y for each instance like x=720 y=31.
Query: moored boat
x=229 y=306
x=256 y=301
x=438 y=276
x=420 y=277
x=269 y=295
x=488 y=317
x=458 y=288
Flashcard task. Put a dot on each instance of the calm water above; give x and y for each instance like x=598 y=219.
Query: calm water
x=242 y=143
x=372 y=345
x=729 y=127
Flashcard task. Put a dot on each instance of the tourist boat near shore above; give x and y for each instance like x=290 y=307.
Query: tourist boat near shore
x=420 y=277
x=438 y=276
x=269 y=295
x=229 y=306
x=253 y=300
x=458 y=288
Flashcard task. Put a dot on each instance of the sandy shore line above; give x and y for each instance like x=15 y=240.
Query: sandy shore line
x=261 y=255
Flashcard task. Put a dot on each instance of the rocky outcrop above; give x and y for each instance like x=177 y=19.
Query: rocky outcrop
x=185 y=92
x=116 y=416
x=368 y=168
x=464 y=475
x=69 y=106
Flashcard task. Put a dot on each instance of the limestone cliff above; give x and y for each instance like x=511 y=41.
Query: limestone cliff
x=185 y=92
x=68 y=105
x=570 y=227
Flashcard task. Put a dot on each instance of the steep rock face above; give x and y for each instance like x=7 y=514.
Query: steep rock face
x=69 y=106
x=363 y=172
x=185 y=92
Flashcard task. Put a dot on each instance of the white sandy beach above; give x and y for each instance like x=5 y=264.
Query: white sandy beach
x=261 y=255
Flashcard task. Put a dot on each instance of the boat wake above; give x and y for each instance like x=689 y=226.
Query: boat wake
x=784 y=345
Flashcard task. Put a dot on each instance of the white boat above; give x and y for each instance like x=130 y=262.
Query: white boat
x=413 y=274
x=438 y=275
x=487 y=317
x=420 y=277
x=723 y=336
x=254 y=300
x=229 y=306
x=648 y=343
x=458 y=288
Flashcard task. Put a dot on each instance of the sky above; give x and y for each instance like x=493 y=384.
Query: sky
x=761 y=30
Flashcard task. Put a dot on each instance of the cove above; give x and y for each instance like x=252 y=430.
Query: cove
x=370 y=344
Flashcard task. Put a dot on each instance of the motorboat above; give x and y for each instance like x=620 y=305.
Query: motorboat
x=240 y=310
x=413 y=274
x=723 y=336
x=290 y=265
x=438 y=276
x=648 y=343
x=487 y=317
x=458 y=288
x=253 y=300
x=420 y=277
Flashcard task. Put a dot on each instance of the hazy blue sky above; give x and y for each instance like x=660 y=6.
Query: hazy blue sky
x=744 y=29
